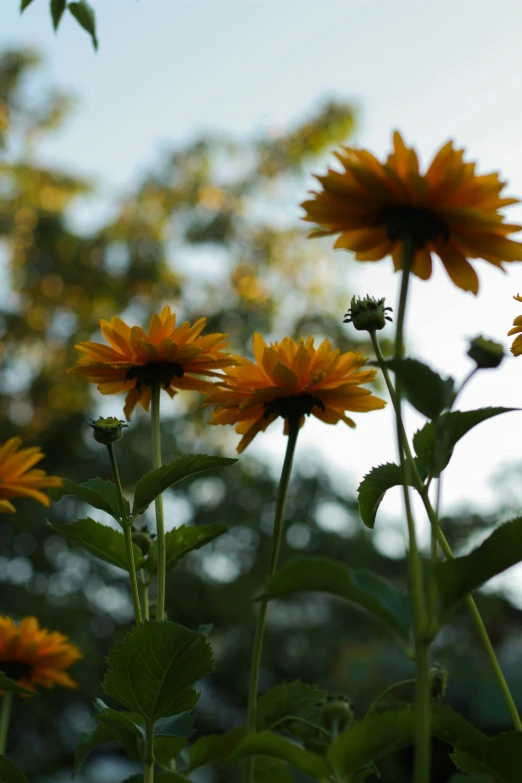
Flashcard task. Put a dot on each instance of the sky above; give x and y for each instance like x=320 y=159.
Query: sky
x=167 y=69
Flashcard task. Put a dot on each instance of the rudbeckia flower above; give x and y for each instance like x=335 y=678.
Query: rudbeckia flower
x=449 y=211
x=32 y=656
x=516 y=348
x=290 y=379
x=19 y=479
x=167 y=355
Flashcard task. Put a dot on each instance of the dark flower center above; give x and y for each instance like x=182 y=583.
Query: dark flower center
x=155 y=373
x=15 y=670
x=419 y=225
x=292 y=407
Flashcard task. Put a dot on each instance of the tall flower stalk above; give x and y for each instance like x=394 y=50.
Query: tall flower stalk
x=160 y=521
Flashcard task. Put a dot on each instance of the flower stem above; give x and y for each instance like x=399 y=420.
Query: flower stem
x=127 y=533
x=446 y=549
x=144 y=591
x=395 y=686
x=422 y=652
x=293 y=431
x=160 y=524
x=148 y=767
x=7 y=703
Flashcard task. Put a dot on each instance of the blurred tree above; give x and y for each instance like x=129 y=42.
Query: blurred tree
x=212 y=231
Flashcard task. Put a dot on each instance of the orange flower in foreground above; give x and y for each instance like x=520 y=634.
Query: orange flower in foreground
x=32 y=656
x=290 y=379
x=449 y=210
x=167 y=355
x=19 y=479
x=516 y=348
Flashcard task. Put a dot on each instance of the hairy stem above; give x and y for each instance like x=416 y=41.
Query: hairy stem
x=160 y=523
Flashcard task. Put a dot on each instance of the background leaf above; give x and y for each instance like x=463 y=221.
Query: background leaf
x=423 y=387
x=100 y=540
x=57 y=9
x=157 y=481
x=182 y=540
x=456 y=578
x=9 y=772
x=361 y=588
x=452 y=426
x=176 y=659
x=89 y=741
x=215 y=748
x=274 y=747
x=24 y=4
x=7 y=684
x=84 y=15
x=374 y=486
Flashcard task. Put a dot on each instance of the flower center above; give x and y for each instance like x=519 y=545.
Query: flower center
x=155 y=373
x=419 y=225
x=292 y=407
x=15 y=670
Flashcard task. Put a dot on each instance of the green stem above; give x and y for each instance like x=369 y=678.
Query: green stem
x=7 y=703
x=389 y=689
x=144 y=590
x=444 y=545
x=148 y=767
x=160 y=523
x=277 y=534
x=422 y=652
x=127 y=533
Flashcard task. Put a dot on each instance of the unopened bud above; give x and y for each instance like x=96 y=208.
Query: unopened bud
x=337 y=711
x=107 y=430
x=485 y=353
x=143 y=540
x=368 y=314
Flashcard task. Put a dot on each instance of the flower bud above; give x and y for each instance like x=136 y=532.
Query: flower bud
x=439 y=682
x=143 y=540
x=485 y=353
x=107 y=430
x=368 y=314
x=337 y=711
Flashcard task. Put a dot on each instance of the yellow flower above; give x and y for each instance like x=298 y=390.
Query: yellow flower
x=19 y=479
x=290 y=379
x=32 y=656
x=516 y=348
x=449 y=210
x=167 y=355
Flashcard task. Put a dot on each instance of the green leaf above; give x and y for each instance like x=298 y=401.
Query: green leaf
x=294 y=708
x=24 y=4
x=166 y=749
x=364 y=589
x=9 y=772
x=57 y=9
x=270 y=771
x=275 y=747
x=157 y=481
x=214 y=748
x=456 y=578
x=422 y=386
x=182 y=540
x=84 y=15
x=96 y=492
x=175 y=725
x=89 y=741
x=7 y=684
x=125 y=730
x=154 y=669
x=100 y=540
x=374 y=486
x=159 y=777
x=435 y=453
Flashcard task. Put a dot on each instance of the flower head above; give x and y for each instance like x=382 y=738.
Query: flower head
x=107 y=430
x=367 y=314
x=487 y=354
x=291 y=380
x=166 y=355
x=32 y=656
x=18 y=477
x=516 y=348
x=449 y=211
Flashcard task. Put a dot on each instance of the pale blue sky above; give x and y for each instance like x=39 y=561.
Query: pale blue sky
x=435 y=69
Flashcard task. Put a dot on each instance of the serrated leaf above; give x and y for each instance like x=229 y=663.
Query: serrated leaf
x=374 y=486
x=24 y=4
x=459 y=577
x=273 y=746
x=154 y=669
x=215 y=748
x=361 y=588
x=294 y=708
x=175 y=725
x=9 y=772
x=166 y=749
x=9 y=685
x=97 y=492
x=125 y=730
x=182 y=540
x=84 y=15
x=100 y=540
x=423 y=387
x=434 y=443
x=157 y=481
x=57 y=9
x=89 y=741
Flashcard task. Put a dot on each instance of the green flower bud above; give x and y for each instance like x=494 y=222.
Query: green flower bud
x=439 y=682
x=368 y=314
x=108 y=430
x=485 y=353
x=337 y=711
x=143 y=539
